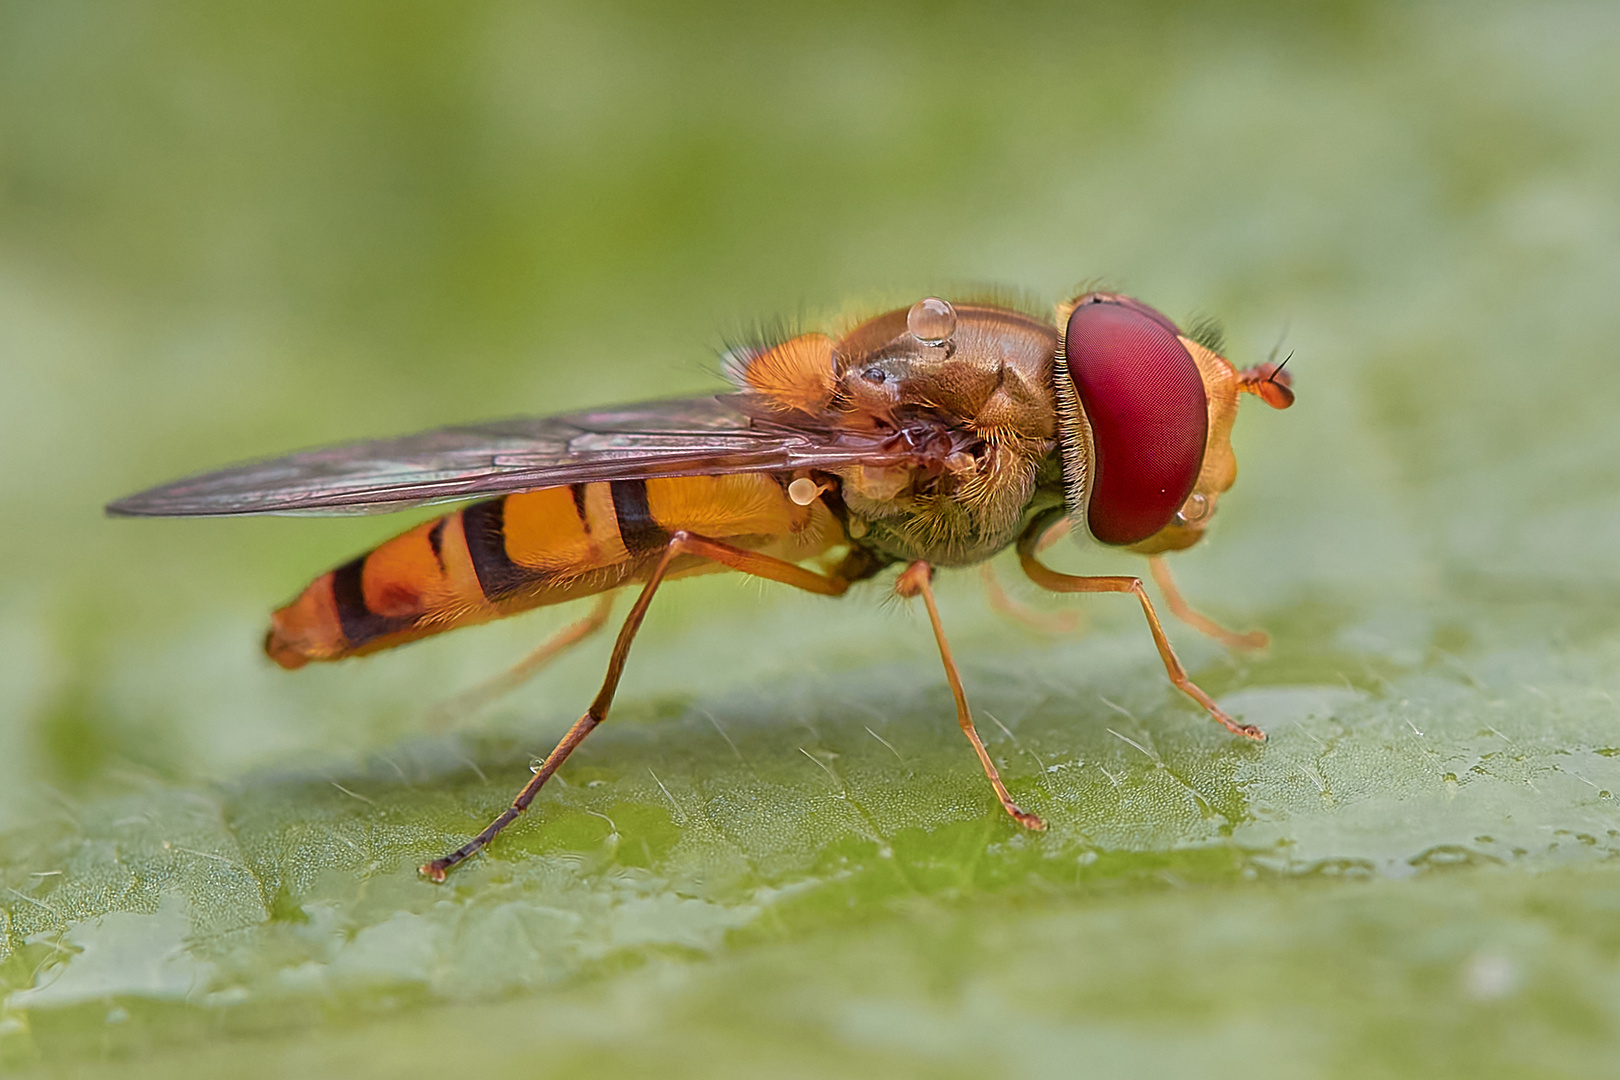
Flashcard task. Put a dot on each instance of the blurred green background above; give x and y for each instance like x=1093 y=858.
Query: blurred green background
x=228 y=230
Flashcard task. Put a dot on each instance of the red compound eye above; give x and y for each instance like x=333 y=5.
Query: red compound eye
x=1131 y=302
x=1149 y=418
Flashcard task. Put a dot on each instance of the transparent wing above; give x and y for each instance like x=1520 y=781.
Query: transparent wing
x=721 y=434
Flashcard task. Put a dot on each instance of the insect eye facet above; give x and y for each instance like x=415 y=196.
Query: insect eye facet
x=1145 y=403
x=1131 y=302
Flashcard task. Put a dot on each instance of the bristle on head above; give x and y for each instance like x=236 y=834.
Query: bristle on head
x=797 y=374
x=1208 y=332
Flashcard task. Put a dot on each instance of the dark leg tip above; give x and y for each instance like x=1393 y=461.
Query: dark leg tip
x=1033 y=822
x=433 y=871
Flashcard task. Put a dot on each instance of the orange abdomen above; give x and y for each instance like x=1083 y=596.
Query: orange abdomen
x=517 y=552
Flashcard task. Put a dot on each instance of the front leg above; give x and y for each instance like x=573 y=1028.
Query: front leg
x=1071 y=583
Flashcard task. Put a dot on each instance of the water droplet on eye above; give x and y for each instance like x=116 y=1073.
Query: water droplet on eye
x=536 y=764
x=1194 y=510
x=931 y=321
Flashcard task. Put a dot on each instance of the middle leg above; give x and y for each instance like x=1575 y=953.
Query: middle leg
x=1253 y=639
x=1045 y=622
x=469 y=701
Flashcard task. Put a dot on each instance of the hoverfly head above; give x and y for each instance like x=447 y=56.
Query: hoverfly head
x=1146 y=418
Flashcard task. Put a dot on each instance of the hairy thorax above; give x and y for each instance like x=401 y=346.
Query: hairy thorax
x=979 y=406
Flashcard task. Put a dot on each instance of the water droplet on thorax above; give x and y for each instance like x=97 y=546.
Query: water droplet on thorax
x=803 y=491
x=536 y=764
x=931 y=321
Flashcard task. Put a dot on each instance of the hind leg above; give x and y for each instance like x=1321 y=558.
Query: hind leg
x=451 y=709
x=680 y=543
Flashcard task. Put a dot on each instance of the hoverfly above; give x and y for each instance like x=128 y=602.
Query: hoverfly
x=931 y=436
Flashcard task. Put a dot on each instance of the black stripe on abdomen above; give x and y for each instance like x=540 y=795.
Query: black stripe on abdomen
x=360 y=624
x=637 y=529
x=484 y=525
x=436 y=542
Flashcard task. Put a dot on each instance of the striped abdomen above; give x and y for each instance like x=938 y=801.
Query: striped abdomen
x=506 y=555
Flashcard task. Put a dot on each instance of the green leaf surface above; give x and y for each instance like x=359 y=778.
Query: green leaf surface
x=229 y=232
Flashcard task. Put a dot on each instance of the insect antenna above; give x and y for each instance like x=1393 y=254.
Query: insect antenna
x=1282 y=336
x=1263 y=380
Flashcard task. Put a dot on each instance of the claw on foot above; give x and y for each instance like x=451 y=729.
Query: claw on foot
x=1033 y=822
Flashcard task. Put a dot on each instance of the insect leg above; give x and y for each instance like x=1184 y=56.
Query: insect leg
x=1046 y=622
x=1052 y=534
x=476 y=697
x=917 y=580
x=1070 y=583
x=680 y=543
x=1254 y=639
